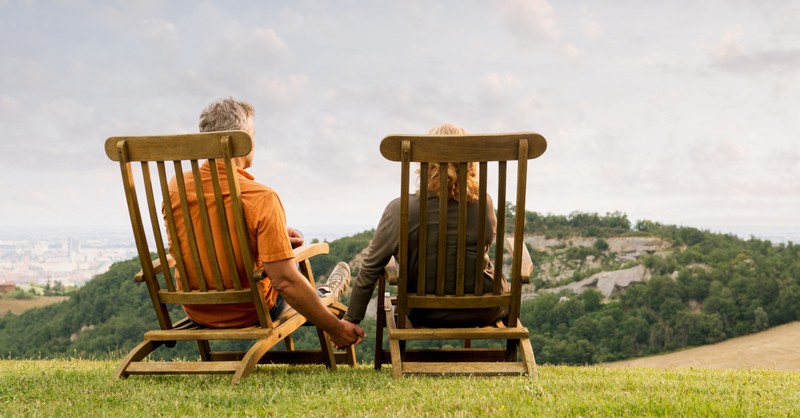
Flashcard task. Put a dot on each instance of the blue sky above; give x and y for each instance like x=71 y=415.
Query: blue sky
x=680 y=112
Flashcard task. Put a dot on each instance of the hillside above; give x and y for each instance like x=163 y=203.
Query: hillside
x=18 y=306
x=777 y=348
x=603 y=290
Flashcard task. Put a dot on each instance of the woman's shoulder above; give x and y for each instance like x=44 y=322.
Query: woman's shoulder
x=413 y=199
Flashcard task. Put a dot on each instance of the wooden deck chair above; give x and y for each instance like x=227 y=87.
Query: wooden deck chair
x=171 y=155
x=517 y=356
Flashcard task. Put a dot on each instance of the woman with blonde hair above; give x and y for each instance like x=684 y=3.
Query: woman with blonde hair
x=385 y=244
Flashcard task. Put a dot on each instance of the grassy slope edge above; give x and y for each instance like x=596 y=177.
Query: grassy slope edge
x=76 y=387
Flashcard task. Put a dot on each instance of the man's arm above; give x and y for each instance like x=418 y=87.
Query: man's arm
x=297 y=291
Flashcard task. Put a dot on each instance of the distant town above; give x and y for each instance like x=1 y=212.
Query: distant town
x=72 y=256
x=69 y=258
x=41 y=257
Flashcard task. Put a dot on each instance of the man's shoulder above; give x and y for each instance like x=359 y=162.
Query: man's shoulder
x=257 y=195
x=248 y=185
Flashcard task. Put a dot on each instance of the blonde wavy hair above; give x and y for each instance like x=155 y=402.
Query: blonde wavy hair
x=452 y=170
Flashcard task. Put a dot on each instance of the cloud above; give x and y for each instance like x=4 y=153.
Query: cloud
x=589 y=24
x=248 y=45
x=495 y=87
x=280 y=92
x=731 y=54
x=161 y=33
x=531 y=22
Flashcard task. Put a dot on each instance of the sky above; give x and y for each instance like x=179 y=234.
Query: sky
x=678 y=112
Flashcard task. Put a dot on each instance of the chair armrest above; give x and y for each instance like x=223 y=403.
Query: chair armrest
x=527 y=262
x=390 y=272
x=306 y=251
x=157 y=268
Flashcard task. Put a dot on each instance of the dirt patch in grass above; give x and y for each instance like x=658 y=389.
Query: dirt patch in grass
x=777 y=348
x=18 y=306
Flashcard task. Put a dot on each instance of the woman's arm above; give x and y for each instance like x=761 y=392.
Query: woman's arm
x=381 y=249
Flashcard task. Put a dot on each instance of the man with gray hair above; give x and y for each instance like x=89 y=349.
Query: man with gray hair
x=271 y=242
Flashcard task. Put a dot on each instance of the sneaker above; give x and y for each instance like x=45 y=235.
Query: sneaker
x=338 y=282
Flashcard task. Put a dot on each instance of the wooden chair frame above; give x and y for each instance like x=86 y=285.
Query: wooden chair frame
x=498 y=149
x=162 y=284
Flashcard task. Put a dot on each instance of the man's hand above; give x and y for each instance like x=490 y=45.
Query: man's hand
x=295 y=237
x=347 y=334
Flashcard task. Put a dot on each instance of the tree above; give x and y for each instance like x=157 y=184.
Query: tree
x=694 y=329
x=760 y=319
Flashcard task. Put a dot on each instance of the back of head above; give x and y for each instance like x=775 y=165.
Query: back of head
x=448 y=129
x=452 y=169
x=226 y=115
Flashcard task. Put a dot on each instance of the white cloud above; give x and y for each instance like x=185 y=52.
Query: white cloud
x=530 y=21
x=161 y=32
x=635 y=118
x=571 y=50
x=267 y=39
x=282 y=91
x=248 y=45
x=733 y=54
x=499 y=86
x=589 y=23
x=9 y=104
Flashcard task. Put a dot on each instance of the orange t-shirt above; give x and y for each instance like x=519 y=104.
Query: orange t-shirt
x=269 y=242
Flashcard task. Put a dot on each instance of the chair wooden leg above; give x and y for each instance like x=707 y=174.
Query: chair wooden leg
x=288 y=343
x=395 y=348
x=528 y=358
x=327 y=349
x=351 y=356
x=205 y=350
x=250 y=359
x=137 y=354
x=511 y=350
x=380 y=322
x=339 y=309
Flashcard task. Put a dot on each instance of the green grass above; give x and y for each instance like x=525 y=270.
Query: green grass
x=86 y=388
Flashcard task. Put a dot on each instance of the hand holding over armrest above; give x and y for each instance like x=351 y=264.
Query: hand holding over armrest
x=306 y=251
x=295 y=237
x=527 y=263
x=390 y=272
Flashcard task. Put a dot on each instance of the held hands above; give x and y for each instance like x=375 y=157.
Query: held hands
x=347 y=334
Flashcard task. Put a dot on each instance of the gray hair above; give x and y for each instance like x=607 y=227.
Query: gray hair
x=225 y=115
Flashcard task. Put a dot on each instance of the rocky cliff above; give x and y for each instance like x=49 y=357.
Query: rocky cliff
x=578 y=263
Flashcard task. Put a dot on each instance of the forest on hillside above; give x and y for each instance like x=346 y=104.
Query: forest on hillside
x=709 y=288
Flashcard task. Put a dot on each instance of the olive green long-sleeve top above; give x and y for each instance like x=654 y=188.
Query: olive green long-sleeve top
x=385 y=244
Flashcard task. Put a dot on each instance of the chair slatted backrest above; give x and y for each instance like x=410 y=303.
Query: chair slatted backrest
x=497 y=149
x=171 y=155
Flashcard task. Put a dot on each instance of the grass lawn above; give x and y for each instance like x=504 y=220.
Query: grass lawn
x=86 y=388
